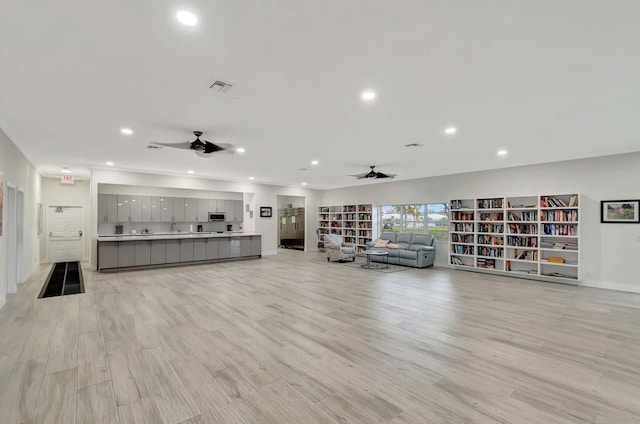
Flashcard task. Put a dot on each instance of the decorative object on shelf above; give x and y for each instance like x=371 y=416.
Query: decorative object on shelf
x=619 y=211
x=265 y=212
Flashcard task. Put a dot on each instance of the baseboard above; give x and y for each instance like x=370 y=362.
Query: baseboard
x=610 y=285
x=270 y=253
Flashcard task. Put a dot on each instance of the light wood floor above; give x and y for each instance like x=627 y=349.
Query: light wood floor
x=294 y=339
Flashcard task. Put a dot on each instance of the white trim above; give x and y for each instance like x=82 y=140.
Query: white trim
x=610 y=285
x=3 y=300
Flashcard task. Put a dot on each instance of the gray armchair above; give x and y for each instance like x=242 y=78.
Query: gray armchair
x=337 y=250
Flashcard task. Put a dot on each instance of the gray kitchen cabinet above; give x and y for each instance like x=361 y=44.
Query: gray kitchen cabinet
x=216 y=205
x=199 y=249
x=256 y=245
x=202 y=207
x=173 y=251
x=178 y=209
x=112 y=207
x=166 y=209
x=102 y=207
x=126 y=253
x=108 y=254
x=124 y=208
x=239 y=211
x=245 y=246
x=146 y=208
x=186 y=250
x=190 y=210
x=224 y=248
x=156 y=209
x=230 y=210
x=234 y=247
x=142 y=252
x=213 y=249
x=135 y=208
x=158 y=252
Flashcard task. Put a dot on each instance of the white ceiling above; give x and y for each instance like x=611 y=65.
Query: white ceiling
x=547 y=80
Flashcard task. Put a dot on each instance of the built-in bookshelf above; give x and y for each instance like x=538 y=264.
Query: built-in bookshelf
x=527 y=236
x=355 y=223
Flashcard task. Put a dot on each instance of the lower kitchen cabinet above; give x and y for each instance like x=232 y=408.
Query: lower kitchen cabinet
x=108 y=255
x=234 y=248
x=256 y=245
x=158 y=252
x=245 y=246
x=224 y=248
x=200 y=250
x=186 y=250
x=213 y=249
x=126 y=253
x=173 y=251
x=142 y=253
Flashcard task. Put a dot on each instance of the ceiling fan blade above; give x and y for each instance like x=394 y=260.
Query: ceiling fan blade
x=186 y=145
x=383 y=175
x=363 y=175
x=218 y=147
x=204 y=155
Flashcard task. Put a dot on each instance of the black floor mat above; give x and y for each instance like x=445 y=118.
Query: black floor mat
x=64 y=278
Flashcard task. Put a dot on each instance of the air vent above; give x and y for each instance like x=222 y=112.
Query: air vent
x=303 y=169
x=221 y=86
x=414 y=145
x=152 y=147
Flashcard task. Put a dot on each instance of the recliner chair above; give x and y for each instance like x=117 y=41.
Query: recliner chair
x=338 y=250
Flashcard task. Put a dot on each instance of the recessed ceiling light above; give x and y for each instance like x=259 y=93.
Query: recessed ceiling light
x=368 y=95
x=451 y=130
x=304 y=183
x=502 y=152
x=240 y=150
x=251 y=178
x=65 y=171
x=190 y=171
x=110 y=163
x=314 y=162
x=187 y=18
x=127 y=131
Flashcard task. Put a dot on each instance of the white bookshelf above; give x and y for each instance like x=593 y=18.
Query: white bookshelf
x=355 y=223
x=535 y=237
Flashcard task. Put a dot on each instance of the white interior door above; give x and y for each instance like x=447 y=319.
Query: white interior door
x=64 y=229
x=12 y=265
x=20 y=268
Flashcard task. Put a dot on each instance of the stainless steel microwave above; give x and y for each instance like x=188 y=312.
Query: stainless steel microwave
x=216 y=216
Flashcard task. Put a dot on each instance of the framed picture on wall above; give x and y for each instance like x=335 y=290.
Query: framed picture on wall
x=620 y=211
x=265 y=212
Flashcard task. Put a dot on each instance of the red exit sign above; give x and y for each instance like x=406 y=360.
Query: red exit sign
x=67 y=179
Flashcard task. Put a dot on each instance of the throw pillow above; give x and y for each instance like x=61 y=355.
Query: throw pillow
x=393 y=246
x=381 y=243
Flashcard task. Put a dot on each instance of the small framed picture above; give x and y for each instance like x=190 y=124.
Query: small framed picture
x=265 y=212
x=620 y=211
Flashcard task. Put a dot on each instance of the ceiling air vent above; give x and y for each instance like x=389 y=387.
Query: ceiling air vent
x=154 y=147
x=413 y=145
x=221 y=86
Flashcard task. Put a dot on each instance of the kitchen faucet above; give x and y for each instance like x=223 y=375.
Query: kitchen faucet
x=173 y=227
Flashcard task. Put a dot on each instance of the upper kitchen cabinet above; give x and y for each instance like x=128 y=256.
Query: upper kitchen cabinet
x=190 y=210
x=107 y=208
x=216 y=205
x=233 y=210
x=156 y=209
x=239 y=211
x=146 y=208
x=202 y=214
x=135 y=208
x=124 y=209
x=178 y=209
x=166 y=209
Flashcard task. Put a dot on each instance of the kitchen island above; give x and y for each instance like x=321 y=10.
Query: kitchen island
x=130 y=251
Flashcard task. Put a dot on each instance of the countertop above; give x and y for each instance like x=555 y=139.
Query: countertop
x=173 y=236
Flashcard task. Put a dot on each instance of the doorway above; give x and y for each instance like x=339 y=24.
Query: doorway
x=65 y=242
x=12 y=265
x=20 y=268
x=291 y=222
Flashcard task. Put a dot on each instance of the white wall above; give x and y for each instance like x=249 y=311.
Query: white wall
x=263 y=195
x=609 y=251
x=18 y=171
x=294 y=201
x=55 y=193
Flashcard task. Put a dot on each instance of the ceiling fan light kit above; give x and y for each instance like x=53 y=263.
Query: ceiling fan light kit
x=373 y=174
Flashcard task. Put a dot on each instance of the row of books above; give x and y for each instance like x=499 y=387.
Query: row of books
x=523 y=216
x=523 y=229
x=462 y=238
x=491 y=216
x=565 y=245
x=496 y=252
x=462 y=216
x=467 y=228
x=456 y=261
x=364 y=217
x=522 y=241
x=490 y=228
x=557 y=202
x=462 y=249
x=364 y=233
x=559 y=229
x=527 y=255
x=486 y=263
x=490 y=203
x=457 y=204
x=364 y=225
x=490 y=240
x=559 y=215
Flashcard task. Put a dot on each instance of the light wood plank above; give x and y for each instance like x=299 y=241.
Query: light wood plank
x=142 y=411
x=96 y=404
x=57 y=400
x=92 y=360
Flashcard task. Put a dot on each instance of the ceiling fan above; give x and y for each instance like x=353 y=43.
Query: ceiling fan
x=373 y=174
x=202 y=148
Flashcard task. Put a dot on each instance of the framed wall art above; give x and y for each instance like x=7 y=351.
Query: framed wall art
x=265 y=212
x=620 y=211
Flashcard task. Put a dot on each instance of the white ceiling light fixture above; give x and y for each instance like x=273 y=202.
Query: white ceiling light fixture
x=502 y=152
x=368 y=95
x=65 y=170
x=451 y=130
x=251 y=178
x=314 y=162
x=190 y=171
x=187 y=18
x=127 y=131
x=110 y=163
x=241 y=150
x=304 y=184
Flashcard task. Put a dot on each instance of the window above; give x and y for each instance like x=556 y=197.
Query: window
x=432 y=218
